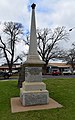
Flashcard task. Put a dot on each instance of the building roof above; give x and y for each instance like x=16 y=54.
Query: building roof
x=59 y=65
x=13 y=67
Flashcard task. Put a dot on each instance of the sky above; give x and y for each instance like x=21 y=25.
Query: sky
x=49 y=14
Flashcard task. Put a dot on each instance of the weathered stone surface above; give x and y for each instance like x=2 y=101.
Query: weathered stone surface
x=32 y=86
x=34 y=97
x=33 y=91
x=33 y=74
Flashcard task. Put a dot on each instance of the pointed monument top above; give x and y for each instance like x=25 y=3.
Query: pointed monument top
x=33 y=6
x=33 y=58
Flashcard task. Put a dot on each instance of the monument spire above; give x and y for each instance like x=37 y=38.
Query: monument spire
x=33 y=38
x=33 y=57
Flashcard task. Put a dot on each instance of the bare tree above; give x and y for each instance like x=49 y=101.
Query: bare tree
x=48 y=43
x=69 y=56
x=13 y=32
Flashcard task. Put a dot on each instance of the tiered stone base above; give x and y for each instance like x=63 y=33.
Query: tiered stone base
x=34 y=93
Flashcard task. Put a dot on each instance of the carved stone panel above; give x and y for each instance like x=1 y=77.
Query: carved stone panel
x=33 y=74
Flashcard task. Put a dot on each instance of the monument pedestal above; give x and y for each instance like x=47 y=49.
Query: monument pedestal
x=33 y=91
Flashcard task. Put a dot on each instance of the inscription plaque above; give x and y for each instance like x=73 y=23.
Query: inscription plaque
x=33 y=74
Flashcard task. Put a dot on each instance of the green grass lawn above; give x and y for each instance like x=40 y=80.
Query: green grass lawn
x=62 y=90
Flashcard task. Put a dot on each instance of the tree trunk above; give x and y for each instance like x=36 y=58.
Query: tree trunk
x=10 y=68
x=72 y=64
x=44 y=69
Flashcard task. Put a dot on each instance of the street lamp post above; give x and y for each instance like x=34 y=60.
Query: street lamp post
x=72 y=63
x=71 y=29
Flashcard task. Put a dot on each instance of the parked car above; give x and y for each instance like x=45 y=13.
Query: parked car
x=56 y=72
x=74 y=72
x=67 y=72
x=4 y=74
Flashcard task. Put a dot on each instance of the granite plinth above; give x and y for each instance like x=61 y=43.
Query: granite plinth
x=29 y=98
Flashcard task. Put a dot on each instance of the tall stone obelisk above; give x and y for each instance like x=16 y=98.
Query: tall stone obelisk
x=33 y=57
x=33 y=91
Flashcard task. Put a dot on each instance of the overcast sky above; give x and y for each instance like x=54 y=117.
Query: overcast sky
x=49 y=13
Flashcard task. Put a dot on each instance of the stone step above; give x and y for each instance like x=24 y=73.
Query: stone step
x=33 y=86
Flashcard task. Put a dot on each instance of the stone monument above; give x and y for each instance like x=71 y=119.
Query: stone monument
x=33 y=91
